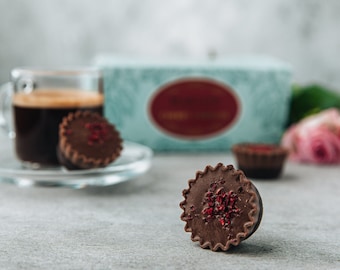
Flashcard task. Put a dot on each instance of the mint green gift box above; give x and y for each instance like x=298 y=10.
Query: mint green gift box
x=196 y=105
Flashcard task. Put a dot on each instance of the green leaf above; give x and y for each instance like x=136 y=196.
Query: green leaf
x=311 y=99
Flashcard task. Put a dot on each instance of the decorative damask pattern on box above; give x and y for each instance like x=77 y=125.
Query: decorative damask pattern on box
x=261 y=85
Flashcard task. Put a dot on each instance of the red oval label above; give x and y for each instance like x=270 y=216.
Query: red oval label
x=194 y=108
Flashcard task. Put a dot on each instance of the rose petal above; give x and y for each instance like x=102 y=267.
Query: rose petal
x=315 y=139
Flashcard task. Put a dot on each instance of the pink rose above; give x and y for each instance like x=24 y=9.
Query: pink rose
x=315 y=139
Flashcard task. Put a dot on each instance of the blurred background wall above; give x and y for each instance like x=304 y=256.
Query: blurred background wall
x=304 y=33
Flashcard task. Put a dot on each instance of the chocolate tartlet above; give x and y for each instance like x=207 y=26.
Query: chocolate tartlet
x=259 y=160
x=221 y=207
x=87 y=140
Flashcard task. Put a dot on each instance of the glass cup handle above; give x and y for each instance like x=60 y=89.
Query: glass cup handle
x=6 y=91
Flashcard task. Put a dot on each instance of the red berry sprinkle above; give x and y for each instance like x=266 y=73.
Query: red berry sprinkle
x=220 y=205
x=261 y=147
x=98 y=132
x=68 y=132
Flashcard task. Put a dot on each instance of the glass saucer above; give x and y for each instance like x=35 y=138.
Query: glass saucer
x=135 y=160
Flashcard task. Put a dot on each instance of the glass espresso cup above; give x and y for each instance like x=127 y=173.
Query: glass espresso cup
x=39 y=99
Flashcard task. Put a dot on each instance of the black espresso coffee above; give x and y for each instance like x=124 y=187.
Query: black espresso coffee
x=37 y=116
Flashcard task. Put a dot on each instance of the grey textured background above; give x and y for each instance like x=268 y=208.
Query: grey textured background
x=304 y=33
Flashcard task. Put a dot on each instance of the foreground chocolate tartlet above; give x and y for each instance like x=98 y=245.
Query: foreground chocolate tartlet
x=259 y=160
x=221 y=207
x=87 y=140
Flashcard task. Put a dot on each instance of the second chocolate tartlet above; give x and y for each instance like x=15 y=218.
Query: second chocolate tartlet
x=87 y=140
x=221 y=207
x=260 y=160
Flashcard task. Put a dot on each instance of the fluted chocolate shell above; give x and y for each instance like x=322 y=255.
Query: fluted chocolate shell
x=259 y=160
x=87 y=140
x=221 y=207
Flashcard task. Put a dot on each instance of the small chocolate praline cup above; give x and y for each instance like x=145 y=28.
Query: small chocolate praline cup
x=221 y=207
x=260 y=160
x=75 y=152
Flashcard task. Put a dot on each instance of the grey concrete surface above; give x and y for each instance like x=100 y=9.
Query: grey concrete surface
x=136 y=224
